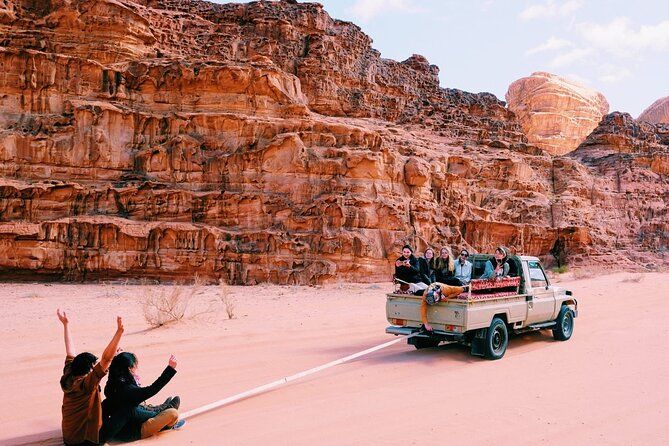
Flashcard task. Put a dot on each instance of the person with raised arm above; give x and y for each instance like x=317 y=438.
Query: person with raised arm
x=82 y=410
x=124 y=417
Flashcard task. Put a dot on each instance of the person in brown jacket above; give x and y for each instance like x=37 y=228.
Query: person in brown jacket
x=82 y=410
x=436 y=293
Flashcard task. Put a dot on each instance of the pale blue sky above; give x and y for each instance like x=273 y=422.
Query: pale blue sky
x=618 y=47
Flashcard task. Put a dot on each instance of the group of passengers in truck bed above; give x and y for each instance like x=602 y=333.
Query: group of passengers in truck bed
x=419 y=272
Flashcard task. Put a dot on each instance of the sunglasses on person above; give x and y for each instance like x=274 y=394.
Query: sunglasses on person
x=464 y=254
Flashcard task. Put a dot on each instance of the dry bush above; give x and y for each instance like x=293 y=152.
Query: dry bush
x=226 y=299
x=633 y=279
x=560 y=269
x=163 y=306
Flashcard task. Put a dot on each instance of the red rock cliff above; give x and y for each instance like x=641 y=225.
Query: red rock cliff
x=256 y=142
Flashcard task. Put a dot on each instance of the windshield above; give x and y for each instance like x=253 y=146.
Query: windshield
x=537 y=276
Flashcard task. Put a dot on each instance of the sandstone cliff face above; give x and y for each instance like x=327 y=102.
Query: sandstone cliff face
x=620 y=182
x=657 y=113
x=556 y=113
x=255 y=142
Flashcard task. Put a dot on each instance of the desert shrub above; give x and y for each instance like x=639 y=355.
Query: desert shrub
x=164 y=305
x=633 y=279
x=560 y=269
x=226 y=299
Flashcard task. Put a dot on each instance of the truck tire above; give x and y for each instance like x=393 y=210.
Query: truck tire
x=497 y=339
x=420 y=343
x=565 y=324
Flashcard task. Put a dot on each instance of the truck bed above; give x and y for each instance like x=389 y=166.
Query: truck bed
x=458 y=315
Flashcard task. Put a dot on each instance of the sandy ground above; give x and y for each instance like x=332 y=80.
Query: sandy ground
x=608 y=385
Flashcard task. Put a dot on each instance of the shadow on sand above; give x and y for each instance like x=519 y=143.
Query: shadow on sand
x=47 y=438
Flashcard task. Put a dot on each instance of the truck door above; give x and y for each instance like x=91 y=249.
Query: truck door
x=541 y=302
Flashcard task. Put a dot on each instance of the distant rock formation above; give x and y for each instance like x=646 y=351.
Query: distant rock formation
x=657 y=113
x=557 y=114
x=268 y=142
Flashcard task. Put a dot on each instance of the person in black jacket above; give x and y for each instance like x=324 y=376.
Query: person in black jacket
x=123 y=417
x=408 y=271
x=445 y=268
x=426 y=265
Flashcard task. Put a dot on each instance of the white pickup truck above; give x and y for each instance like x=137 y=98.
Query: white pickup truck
x=483 y=316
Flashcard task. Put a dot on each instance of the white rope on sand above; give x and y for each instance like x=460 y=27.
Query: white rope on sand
x=53 y=436
x=279 y=382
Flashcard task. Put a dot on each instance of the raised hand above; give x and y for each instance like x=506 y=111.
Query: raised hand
x=69 y=345
x=119 y=323
x=173 y=362
x=62 y=317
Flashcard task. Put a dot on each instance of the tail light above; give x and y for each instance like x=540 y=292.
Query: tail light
x=398 y=321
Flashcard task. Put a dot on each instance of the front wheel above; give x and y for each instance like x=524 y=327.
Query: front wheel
x=565 y=324
x=497 y=339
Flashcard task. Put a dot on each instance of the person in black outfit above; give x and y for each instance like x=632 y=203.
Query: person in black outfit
x=426 y=265
x=122 y=416
x=408 y=270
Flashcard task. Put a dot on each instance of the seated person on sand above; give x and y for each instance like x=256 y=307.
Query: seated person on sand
x=82 y=411
x=426 y=266
x=434 y=294
x=445 y=268
x=463 y=268
x=123 y=417
x=499 y=267
x=407 y=270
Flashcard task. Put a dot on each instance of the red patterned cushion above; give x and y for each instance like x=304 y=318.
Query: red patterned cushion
x=487 y=284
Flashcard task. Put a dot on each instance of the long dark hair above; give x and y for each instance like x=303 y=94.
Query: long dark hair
x=119 y=372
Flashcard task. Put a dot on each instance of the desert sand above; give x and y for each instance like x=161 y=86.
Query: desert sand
x=608 y=385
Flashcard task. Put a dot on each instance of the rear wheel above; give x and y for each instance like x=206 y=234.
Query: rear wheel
x=420 y=343
x=565 y=324
x=497 y=339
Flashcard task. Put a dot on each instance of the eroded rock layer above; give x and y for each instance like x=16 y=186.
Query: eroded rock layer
x=556 y=113
x=260 y=142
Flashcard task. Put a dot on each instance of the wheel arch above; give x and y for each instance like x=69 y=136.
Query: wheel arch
x=504 y=316
x=570 y=302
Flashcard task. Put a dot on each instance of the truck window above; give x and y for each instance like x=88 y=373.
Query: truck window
x=537 y=276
